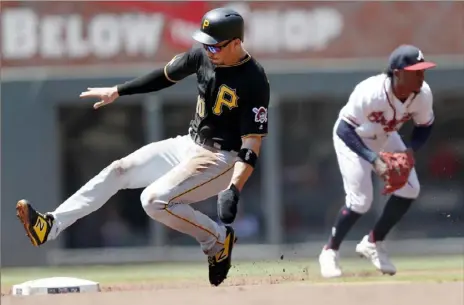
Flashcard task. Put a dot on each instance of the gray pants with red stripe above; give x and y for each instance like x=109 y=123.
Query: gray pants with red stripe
x=175 y=173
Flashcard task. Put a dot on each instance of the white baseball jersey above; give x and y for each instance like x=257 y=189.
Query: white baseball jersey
x=376 y=113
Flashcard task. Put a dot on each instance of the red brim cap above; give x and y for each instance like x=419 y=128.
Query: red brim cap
x=421 y=66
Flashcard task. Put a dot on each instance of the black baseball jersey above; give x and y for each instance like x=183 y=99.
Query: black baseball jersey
x=232 y=101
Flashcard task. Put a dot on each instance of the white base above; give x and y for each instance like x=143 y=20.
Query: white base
x=55 y=285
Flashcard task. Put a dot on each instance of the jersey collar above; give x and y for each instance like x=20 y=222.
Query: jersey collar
x=392 y=99
x=241 y=62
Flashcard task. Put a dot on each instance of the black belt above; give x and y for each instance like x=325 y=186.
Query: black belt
x=200 y=140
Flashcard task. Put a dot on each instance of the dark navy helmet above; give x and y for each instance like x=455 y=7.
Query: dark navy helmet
x=218 y=25
x=408 y=57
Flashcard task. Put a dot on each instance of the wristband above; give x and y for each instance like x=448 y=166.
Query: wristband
x=248 y=156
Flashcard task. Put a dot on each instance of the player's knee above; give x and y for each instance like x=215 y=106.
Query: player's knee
x=152 y=202
x=359 y=203
x=411 y=190
x=119 y=167
x=116 y=173
x=414 y=190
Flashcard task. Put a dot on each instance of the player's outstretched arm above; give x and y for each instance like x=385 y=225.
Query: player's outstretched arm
x=181 y=66
x=151 y=82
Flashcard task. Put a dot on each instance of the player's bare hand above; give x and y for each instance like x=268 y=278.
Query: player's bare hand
x=106 y=95
x=380 y=167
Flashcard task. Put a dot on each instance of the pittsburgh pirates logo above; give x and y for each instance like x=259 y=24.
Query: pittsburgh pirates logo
x=225 y=97
x=260 y=115
x=205 y=24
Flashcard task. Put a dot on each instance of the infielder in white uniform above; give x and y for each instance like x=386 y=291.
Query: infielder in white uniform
x=367 y=125
x=216 y=157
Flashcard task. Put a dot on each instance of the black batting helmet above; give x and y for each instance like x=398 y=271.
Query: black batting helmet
x=218 y=25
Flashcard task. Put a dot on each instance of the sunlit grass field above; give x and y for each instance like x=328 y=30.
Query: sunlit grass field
x=415 y=269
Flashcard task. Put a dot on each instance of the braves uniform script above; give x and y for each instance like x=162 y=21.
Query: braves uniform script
x=366 y=139
x=231 y=107
x=377 y=115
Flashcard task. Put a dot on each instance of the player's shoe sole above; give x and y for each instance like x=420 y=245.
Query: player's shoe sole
x=219 y=264
x=36 y=225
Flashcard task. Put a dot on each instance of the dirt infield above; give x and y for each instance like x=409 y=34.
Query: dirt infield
x=249 y=291
x=422 y=281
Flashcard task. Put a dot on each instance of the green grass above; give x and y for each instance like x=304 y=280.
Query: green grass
x=437 y=269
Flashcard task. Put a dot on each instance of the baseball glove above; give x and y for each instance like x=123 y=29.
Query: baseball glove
x=399 y=166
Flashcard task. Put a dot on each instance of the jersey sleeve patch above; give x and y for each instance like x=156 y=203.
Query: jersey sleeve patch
x=254 y=115
x=260 y=114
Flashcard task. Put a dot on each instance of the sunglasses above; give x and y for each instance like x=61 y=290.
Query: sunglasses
x=216 y=49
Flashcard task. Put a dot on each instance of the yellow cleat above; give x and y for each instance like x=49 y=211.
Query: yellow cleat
x=220 y=263
x=37 y=225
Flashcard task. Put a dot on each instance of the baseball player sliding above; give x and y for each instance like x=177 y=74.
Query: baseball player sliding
x=216 y=157
x=365 y=138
